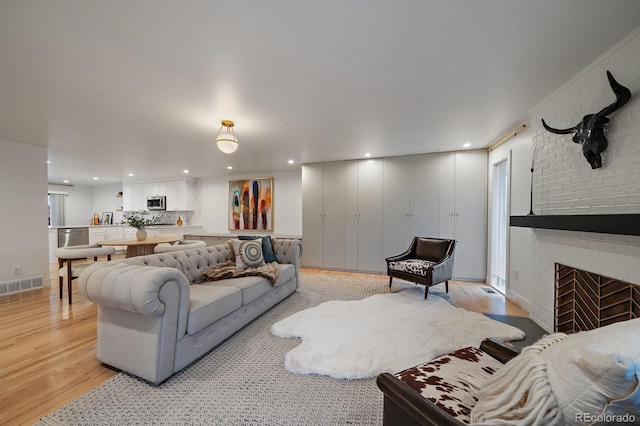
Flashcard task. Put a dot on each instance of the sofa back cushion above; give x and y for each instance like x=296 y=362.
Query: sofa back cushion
x=431 y=249
x=192 y=263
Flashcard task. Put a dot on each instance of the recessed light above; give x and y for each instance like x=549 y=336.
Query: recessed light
x=290 y=161
x=185 y=171
x=368 y=154
x=48 y=162
x=65 y=181
x=466 y=145
x=230 y=167
x=131 y=174
x=95 y=178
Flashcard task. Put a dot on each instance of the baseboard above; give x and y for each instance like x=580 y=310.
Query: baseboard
x=18 y=286
x=520 y=301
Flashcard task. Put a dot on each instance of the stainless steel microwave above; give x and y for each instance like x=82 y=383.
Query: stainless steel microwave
x=157 y=202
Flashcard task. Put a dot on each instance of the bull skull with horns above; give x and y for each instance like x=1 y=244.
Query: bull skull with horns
x=590 y=131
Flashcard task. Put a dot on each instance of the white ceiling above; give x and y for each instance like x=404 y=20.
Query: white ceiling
x=119 y=86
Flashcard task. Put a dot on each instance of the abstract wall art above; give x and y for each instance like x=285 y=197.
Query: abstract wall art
x=251 y=204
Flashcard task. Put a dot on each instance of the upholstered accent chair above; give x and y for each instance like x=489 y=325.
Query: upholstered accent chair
x=427 y=261
x=72 y=270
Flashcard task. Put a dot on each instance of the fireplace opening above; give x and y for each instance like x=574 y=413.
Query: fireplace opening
x=585 y=300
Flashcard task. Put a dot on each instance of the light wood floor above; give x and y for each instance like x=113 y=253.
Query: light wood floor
x=48 y=348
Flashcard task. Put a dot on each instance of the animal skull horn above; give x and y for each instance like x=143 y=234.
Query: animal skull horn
x=590 y=131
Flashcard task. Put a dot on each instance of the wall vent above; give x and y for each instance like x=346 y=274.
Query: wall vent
x=11 y=287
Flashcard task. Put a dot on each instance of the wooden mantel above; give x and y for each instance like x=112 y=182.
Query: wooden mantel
x=620 y=224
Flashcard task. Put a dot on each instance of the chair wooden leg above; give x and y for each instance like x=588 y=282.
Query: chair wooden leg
x=390 y=280
x=426 y=292
x=60 y=284
x=446 y=286
x=69 y=279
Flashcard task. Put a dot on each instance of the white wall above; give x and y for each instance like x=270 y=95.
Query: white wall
x=564 y=182
x=83 y=201
x=23 y=214
x=287 y=202
x=104 y=199
x=518 y=149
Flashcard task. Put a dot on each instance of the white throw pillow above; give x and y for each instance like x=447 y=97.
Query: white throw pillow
x=567 y=379
x=248 y=253
x=588 y=370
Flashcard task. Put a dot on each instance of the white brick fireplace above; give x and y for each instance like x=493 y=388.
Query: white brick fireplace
x=565 y=184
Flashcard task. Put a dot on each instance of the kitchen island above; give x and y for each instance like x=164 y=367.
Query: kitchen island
x=118 y=232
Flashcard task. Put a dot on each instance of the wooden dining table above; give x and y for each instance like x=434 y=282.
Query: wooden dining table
x=139 y=248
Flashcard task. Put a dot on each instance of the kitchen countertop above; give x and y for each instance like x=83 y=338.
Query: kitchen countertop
x=245 y=232
x=123 y=226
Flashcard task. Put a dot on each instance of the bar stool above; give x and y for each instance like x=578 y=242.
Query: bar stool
x=71 y=253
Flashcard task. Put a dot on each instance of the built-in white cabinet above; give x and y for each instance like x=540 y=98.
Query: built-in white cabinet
x=364 y=215
x=411 y=204
x=181 y=195
x=357 y=213
x=469 y=213
x=323 y=212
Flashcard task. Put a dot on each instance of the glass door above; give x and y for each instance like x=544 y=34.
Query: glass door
x=499 y=226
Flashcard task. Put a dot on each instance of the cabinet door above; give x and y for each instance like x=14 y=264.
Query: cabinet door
x=446 y=170
x=156 y=188
x=370 y=215
x=334 y=218
x=127 y=197
x=425 y=196
x=140 y=196
x=396 y=211
x=171 y=191
x=351 y=224
x=312 y=214
x=471 y=215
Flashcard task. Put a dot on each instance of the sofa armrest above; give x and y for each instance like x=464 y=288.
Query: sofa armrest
x=133 y=288
x=499 y=350
x=404 y=406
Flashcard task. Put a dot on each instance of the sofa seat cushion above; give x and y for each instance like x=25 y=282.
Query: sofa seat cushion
x=412 y=266
x=251 y=288
x=445 y=380
x=209 y=304
x=287 y=273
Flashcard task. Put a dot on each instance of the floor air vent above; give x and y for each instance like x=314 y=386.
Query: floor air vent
x=489 y=290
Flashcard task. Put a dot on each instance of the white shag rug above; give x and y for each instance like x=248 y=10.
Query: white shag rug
x=382 y=333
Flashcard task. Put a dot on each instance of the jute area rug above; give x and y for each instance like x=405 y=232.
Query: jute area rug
x=243 y=380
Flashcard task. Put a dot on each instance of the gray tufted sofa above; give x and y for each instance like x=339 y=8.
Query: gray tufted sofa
x=156 y=316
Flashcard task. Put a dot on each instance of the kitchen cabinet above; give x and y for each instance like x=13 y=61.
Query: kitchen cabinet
x=100 y=233
x=181 y=195
x=324 y=214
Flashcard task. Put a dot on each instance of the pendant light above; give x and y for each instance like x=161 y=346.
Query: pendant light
x=226 y=138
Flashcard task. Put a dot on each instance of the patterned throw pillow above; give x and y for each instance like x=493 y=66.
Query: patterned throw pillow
x=248 y=253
